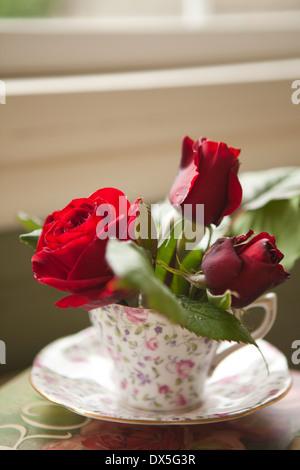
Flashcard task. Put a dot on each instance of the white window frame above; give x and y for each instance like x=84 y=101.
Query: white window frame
x=72 y=46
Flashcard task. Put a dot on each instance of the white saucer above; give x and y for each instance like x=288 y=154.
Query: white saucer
x=76 y=373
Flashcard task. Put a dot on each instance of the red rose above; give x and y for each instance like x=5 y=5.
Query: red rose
x=208 y=176
x=247 y=268
x=70 y=254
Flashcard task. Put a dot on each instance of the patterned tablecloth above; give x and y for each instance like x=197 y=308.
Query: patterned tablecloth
x=28 y=421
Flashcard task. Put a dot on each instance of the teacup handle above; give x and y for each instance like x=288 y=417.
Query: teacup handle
x=269 y=303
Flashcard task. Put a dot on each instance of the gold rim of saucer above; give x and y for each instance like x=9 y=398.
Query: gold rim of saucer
x=155 y=422
x=280 y=382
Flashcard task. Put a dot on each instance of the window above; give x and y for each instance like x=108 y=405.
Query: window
x=98 y=98
x=103 y=36
x=129 y=8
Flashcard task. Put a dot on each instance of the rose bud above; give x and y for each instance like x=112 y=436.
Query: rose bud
x=207 y=175
x=70 y=254
x=247 y=268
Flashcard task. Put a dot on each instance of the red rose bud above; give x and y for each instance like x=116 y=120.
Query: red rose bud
x=208 y=176
x=247 y=268
x=70 y=254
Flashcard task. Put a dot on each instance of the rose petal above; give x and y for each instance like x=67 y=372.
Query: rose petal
x=44 y=263
x=91 y=263
x=90 y=300
x=112 y=196
x=234 y=194
x=254 y=279
x=76 y=286
x=221 y=265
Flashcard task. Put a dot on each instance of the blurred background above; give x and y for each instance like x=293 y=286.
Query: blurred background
x=101 y=93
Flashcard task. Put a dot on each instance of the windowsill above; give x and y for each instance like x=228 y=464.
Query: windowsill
x=65 y=137
x=268 y=71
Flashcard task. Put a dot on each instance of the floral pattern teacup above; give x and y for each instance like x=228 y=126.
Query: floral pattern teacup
x=159 y=365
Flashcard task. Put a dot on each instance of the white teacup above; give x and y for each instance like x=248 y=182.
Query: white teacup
x=160 y=365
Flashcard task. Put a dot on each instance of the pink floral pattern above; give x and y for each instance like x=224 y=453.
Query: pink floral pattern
x=149 y=351
x=231 y=392
x=29 y=422
x=164 y=389
x=275 y=427
x=152 y=344
x=184 y=368
x=136 y=316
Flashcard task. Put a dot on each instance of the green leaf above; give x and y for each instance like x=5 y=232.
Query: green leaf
x=261 y=187
x=133 y=268
x=145 y=230
x=281 y=219
x=138 y=330
x=31 y=238
x=212 y=322
x=158 y=405
x=191 y=263
x=197 y=280
x=221 y=301
x=29 y=223
x=118 y=332
x=167 y=250
x=165 y=217
x=177 y=237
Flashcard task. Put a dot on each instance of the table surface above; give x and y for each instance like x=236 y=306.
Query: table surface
x=30 y=422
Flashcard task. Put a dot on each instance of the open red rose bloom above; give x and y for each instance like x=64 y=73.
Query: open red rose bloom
x=70 y=254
